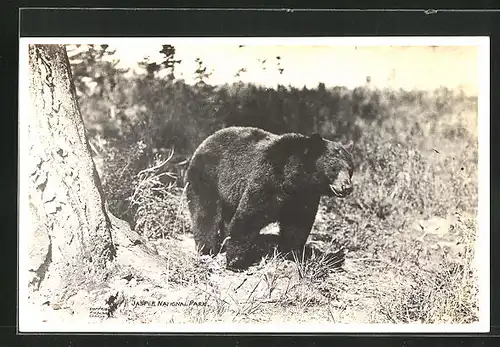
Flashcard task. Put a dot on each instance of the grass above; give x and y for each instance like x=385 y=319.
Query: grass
x=407 y=234
x=446 y=294
x=157 y=203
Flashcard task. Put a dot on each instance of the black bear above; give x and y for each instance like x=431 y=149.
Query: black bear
x=241 y=179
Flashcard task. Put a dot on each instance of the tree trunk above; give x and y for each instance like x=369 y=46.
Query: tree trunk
x=78 y=252
x=72 y=242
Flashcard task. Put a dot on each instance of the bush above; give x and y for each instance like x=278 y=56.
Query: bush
x=120 y=162
x=159 y=210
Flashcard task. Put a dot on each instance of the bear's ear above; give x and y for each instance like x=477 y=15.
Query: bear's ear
x=349 y=146
x=315 y=142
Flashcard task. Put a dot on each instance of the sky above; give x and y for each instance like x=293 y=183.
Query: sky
x=407 y=67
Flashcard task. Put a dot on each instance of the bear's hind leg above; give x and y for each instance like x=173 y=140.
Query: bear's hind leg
x=205 y=216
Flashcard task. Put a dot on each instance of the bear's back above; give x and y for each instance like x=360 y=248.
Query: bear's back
x=231 y=153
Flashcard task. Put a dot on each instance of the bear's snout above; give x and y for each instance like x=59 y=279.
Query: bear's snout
x=342 y=185
x=342 y=190
x=347 y=188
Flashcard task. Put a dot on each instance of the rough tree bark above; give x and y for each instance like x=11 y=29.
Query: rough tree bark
x=74 y=240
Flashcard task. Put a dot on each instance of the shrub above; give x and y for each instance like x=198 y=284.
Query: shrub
x=157 y=203
x=120 y=163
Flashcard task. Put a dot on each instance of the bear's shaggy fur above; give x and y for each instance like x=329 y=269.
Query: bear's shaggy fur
x=241 y=179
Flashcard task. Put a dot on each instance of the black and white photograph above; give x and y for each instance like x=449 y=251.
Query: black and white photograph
x=326 y=184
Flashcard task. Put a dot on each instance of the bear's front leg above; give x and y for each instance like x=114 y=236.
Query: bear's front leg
x=254 y=212
x=296 y=220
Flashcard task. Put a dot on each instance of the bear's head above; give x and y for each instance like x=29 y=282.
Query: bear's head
x=333 y=166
